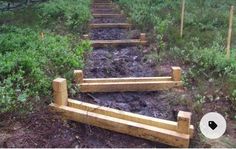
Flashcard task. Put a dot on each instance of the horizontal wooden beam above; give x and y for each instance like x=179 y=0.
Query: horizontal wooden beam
x=169 y=137
x=129 y=79
x=114 y=43
x=104 y=9
x=109 y=25
x=111 y=15
x=165 y=124
x=103 y=4
x=128 y=86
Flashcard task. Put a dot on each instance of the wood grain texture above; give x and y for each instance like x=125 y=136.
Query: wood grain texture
x=128 y=79
x=60 y=91
x=128 y=86
x=114 y=43
x=165 y=124
x=124 y=126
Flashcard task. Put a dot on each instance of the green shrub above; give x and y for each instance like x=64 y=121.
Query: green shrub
x=202 y=47
x=28 y=64
x=74 y=13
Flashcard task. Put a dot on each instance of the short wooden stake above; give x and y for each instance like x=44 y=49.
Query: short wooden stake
x=86 y=37
x=176 y=73
x=229 y=32
x=78 y=76
x=60 y=92
x=122 y=12
x=143 y=37
x=42 y=35
x=182 y=18
x=183 y=122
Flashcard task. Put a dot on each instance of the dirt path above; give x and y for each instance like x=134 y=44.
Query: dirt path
x=129 y=61
x=132 y=61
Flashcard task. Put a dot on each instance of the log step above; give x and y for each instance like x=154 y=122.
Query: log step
x=128 y=84
x=156 y=122
x=148 y=132
x=102 y=4
x=104 y=9
x=98 y=15
x=110 y=25
x=173 y=133
x=114 y=43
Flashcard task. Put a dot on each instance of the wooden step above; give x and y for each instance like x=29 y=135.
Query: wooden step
x=155 y=122
x=132 y=128
x=128 y=84
x=102 y=4
x=176 y=134
x=115 y=43
x=104 y=9
x=110 y=25
x=112 y=15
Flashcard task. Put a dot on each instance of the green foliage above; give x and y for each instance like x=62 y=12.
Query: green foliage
x=74 y=13
x=205 y=30
x=28 y=63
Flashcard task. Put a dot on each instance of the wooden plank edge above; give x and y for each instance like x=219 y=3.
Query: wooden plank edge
x=110 y=25
x=128 y=86
x=106 y=15
x=128 y=79
x=105 y=43
x=123 y=126
x=155 y=122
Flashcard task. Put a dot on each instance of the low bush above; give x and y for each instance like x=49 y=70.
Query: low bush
x=202 y=47
x=73 y=13
x=28 y=63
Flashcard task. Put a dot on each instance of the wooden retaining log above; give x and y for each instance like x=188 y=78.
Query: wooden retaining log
x=111 y=15
x=148 y=132
x=110 y=25
x=155 y=122
x=172 y=133
x=128 y=84
x=115 y=43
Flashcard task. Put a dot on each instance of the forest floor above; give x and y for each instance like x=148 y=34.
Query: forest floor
x=46 y=129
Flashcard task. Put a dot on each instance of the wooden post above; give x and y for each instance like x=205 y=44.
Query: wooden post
x=176 y=73
x=122 y=12
x=78 y=76
x=143 y=37
x=183 y=122
x=60 y=92
x=182 y=18
x=42 y=35
x=86 y=37
x=229 y=32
